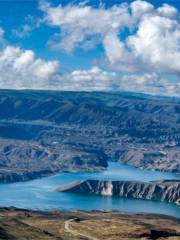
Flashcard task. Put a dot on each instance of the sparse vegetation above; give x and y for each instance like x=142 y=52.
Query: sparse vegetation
x=28 y=225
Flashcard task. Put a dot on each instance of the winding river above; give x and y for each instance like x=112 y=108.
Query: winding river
x=40 y=193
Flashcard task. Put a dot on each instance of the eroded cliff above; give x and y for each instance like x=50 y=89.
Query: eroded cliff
x=157 y=190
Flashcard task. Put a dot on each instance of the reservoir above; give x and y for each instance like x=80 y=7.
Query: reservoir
x=40 y=194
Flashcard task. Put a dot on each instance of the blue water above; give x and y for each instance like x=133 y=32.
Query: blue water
x=40 y=194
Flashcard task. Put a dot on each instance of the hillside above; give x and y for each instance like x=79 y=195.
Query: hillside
x=45 y=132
x=17 y=224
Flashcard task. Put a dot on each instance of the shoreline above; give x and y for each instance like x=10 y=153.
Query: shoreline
x=30 y=176
x=96 y=211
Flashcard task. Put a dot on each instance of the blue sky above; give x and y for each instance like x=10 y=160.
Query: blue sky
x=14 y=13
x=106 y=66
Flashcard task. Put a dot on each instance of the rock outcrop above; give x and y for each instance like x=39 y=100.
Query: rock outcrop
x=167 y=190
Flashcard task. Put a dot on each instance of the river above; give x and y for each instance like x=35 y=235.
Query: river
x=40 y=194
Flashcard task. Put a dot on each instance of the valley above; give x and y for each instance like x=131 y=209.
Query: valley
x=89 y=120
x=49 y=139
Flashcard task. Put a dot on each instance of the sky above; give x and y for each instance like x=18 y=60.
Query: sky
x=109 y=45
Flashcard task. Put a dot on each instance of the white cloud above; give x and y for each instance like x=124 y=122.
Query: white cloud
x=157 y=43
x=139 y=8
x=94 y=79
x=168 y=11
x=23 y=31
x=21 y=69
x=150 y=83
x=153 y=40
x=149 y=50
x=2 y=39
x=113 y=47
x=78 y=23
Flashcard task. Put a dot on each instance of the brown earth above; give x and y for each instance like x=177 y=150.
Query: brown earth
x=54 y=225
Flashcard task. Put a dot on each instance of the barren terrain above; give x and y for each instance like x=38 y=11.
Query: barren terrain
x=24 y=224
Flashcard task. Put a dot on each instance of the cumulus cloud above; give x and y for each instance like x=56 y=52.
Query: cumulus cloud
x=150 y=83
x=22 y=69
x=141 y=44
x=157 y=43
x=168 y=11
x=78 y=23
x=139 y=8
x=94 y=79
x=150 y=42
x=153 y=40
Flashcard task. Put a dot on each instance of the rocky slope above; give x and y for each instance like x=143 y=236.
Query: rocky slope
x=161 y=190
x=44 y=132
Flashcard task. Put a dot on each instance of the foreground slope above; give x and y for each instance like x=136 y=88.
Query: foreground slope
x=46 y=132
x=23 y=225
